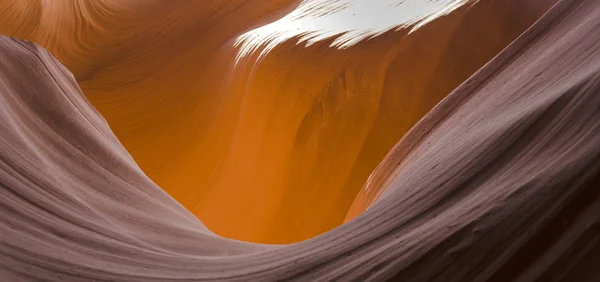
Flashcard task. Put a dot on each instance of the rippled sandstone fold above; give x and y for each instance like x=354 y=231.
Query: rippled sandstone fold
x=271 y=150
x=498 y=182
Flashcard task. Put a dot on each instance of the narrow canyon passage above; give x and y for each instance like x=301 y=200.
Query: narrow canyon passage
x=149 y=141
x=271 y=149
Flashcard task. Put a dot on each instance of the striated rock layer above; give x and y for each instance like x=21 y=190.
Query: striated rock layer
x=269 y=150
x=498 y=182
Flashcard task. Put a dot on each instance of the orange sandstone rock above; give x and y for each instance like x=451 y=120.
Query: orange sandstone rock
x=270 y=150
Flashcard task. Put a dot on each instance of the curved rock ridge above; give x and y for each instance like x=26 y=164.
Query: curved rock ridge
x=498 y=182
x=272 y=149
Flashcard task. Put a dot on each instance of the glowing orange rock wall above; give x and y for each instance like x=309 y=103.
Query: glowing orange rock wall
x=267 y=151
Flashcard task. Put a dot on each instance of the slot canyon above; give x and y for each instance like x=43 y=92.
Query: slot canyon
x=303 y=140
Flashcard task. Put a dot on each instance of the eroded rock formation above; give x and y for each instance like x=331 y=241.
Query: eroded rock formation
x=498 y=182
x=267 y=150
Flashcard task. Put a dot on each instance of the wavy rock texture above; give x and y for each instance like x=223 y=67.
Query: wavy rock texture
x=269 y=150
x=498 y=182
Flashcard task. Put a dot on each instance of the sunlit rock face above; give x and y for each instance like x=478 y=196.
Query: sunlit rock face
x=350 y=21
x=264 y=139
x=497 y=182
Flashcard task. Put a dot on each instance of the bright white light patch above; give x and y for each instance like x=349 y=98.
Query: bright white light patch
x=353 y=20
